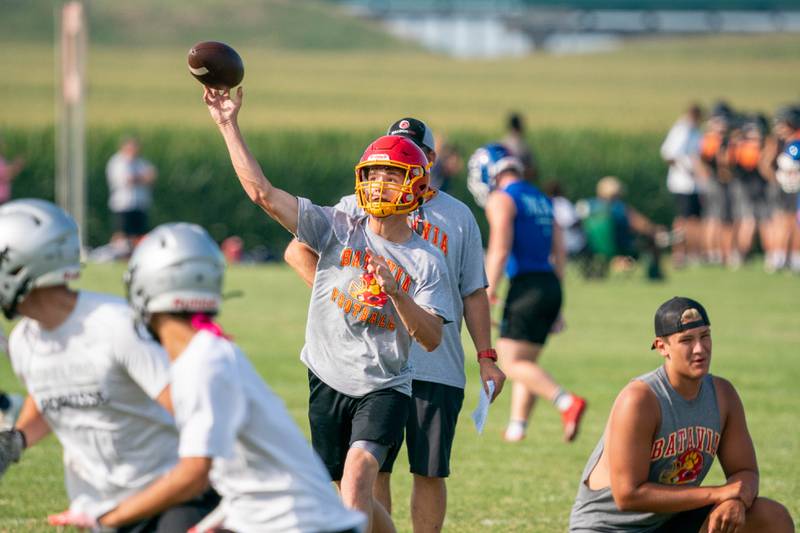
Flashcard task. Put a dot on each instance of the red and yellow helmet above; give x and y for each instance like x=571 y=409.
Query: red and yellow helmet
x=399 y=152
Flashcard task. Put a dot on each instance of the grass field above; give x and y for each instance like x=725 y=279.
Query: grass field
x=530 y=486
x=643 y=86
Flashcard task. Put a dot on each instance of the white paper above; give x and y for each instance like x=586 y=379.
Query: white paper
x=482 y=411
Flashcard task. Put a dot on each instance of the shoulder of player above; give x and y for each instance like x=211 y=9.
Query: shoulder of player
x=637 y=400
x=727 y=396
x=105 y=310
x=208 y=356
x=453 y=206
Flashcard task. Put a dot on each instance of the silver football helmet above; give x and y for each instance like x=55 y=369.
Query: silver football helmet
x=176 y=268
x=39 y=247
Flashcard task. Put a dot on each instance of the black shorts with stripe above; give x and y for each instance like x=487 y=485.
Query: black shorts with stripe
x=338 y=420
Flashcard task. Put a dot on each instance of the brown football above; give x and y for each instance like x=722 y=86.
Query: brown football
x=216 y=65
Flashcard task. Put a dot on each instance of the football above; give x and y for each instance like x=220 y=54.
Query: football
x=216 y=65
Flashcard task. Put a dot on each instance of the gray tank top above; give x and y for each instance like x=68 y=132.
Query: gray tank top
x=681 y=454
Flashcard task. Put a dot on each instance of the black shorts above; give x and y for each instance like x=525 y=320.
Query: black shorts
x=430 y=429
x=133 y=223
x=687 y=205
x=686 y=521
x=531 y=308
x=338 y=420
x=178 y=518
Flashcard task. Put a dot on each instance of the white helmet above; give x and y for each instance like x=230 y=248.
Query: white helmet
x=39 y=247
x=176 y=268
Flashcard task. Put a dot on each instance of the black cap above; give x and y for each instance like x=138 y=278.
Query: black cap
x=679 y=314
x=416 y=130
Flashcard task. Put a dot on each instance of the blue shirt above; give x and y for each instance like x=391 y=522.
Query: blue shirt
x=533 y=230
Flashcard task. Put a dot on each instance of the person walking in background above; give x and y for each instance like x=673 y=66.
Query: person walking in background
x=8 y=171
x=522 y=240
x=680 y=150
x=437 y=389
x=663 y=433
x=518 y=146
x=130 y=182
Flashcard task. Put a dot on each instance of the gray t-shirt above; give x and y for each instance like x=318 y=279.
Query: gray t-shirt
x=351 y=346
x=681 y=455
x=449 y=225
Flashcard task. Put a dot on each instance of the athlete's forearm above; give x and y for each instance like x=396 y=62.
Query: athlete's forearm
x=478 y=319
x=182 y=483
x=750 y=480
x=423 y=326
x=495 y=263
x=278 y=204
x=303 y=260
x=659 y=498
x=31 y=423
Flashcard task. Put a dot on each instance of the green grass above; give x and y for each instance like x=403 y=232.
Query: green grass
x=643 y=86
x=530 y=486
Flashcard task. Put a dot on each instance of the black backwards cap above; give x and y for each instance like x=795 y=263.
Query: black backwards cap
x=679 y=314
x=416 y=130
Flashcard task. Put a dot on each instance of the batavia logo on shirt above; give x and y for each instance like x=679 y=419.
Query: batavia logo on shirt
x=362 y=312
x=431 y=233
x=360 y=258
x=688 y=444
x=685 y=469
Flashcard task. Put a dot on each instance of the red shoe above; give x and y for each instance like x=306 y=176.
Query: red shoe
x=571 y=418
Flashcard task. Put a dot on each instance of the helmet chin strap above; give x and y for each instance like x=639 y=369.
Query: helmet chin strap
x=10 y=312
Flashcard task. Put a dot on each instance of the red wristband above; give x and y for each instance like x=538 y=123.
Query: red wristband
x=487 y=354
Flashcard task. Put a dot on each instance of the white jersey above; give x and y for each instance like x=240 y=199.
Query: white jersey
x=94 y=380
x=682 y=147
x=269 y=478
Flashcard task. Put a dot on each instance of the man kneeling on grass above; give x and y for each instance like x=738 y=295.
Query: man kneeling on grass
x=660 y=441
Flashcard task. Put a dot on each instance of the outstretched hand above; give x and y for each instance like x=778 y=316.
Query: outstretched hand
x=377 y=266
x=223 y=107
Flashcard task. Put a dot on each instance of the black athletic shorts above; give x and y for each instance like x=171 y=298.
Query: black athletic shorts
x=338 y=420
x=687 y=205
x=131 y=223
x=178 y=518
x=686 y=522
x=531 y=308
x=430 y=429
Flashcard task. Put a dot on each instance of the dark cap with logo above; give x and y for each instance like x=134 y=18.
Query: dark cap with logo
x=679 y=314
x=416 y=130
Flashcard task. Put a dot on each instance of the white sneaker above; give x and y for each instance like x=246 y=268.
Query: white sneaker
x=515 y=431
x=8 y=417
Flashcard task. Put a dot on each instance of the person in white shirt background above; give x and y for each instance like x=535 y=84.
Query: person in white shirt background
x=680 y=150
